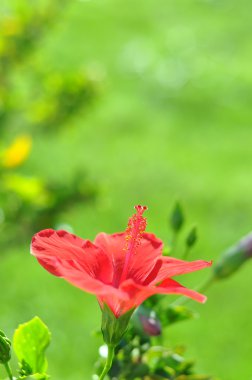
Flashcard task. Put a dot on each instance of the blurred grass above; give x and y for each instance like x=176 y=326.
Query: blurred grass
x=174 y=120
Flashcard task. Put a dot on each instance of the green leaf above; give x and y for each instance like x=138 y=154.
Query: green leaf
x=30 y=342
x=177 y=217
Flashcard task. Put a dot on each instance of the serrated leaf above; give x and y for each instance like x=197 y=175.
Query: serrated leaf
x=30 y=342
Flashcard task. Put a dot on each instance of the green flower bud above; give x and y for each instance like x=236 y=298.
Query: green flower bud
x=177 y=218
x=232 y=259
x=191 y=237
x=5 y=348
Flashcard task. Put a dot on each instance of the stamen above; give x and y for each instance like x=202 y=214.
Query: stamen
x=135 y=229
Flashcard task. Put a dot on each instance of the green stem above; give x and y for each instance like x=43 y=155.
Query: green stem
x=174 y=242
x=209 y=282
x=8 y=370
x=186 y=252
x=109 y=361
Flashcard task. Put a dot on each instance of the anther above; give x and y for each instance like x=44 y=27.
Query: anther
x=135 y=229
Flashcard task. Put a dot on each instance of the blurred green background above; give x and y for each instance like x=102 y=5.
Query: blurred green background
x=121 y=103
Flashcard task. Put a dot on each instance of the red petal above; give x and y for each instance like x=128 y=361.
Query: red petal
x=142 y=262
x=113 y=245
x=173 y=287
x=137 y=294
x=59 y=252
x=173 y=267
x=71 y=272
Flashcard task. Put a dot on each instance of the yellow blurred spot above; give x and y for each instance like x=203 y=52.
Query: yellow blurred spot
x=30 y=189
x=17 y=152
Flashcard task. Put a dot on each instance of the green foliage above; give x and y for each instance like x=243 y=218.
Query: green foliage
x=29 y=109
x=30 y=341
x=37 y=202
x=22 y=28
x=138 y=359
x=59 y=95
x=175 y=313
x=59 y=98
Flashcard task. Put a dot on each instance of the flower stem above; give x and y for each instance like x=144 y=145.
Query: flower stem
x=109 y=361
x=8 y=370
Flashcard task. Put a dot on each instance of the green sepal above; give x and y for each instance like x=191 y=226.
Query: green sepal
x=114 y=328
x=5 y=348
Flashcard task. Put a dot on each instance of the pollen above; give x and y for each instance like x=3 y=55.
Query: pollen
x=133 y=235
x=135 y=229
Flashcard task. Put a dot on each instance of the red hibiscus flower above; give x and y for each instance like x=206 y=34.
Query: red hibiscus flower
x=122 y=269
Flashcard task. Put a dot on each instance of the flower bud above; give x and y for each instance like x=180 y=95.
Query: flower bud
x=5 y=348
x=177 y=218
x=232 y=259
x=151 y=325
x=146 y=322
x=191 y=237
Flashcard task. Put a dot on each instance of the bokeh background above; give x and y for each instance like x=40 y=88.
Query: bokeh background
x=105 y=104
